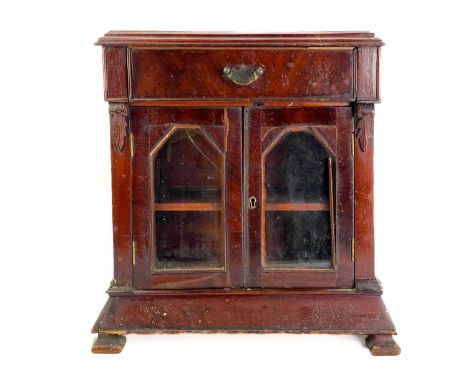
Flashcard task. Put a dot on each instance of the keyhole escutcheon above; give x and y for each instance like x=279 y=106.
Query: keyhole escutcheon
x=252 y=202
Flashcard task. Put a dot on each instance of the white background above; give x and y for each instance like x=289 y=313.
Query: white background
x=55 y=195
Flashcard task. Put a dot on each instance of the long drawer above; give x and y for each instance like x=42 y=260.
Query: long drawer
x=241 y=73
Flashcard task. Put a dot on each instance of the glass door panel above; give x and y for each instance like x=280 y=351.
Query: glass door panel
x=188 y=240
x=298 y=176
x=188 y=168
x=187 y=203
x=296 y=169
x=298 y=239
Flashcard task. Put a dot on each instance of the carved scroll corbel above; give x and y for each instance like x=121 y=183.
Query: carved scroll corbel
x=118 y=113
x=365 y=125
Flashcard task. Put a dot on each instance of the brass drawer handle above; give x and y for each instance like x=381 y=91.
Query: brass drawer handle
x=243 y=74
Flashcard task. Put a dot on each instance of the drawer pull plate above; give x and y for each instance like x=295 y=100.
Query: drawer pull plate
x=243 y=74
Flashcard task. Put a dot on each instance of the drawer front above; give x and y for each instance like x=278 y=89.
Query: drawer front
x=241 y=73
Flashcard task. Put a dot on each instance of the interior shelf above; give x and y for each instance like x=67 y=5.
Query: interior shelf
x=298 y=207
x=187 y=207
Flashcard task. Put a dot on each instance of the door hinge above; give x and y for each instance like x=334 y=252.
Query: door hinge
x=133 y=252
x=352 y=249
x=352 y=143
x=131 y=145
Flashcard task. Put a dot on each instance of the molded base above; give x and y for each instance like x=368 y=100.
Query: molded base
x=332 y=311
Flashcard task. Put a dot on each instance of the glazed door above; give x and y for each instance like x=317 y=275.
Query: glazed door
x=187 y=197
x=298 y=197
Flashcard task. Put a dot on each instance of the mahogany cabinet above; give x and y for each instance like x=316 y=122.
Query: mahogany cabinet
x=242 y=185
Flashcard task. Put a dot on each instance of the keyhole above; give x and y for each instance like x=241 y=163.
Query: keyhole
x=252 y=202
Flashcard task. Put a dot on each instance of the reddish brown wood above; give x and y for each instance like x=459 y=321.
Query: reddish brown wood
x=187 y=207
x=364 y=127
x=231 y=103
x=246 y=312
x=198 y=73
x=311 y=84
x=368 y=285
x=294 y=103
x=122 y=292
x=151 y=126
x=297 y=207
x=340 y=121
x=119 y=125
x=364 y=192
x=232 y=123
x=344 y=198
x=367 y=88
x=183 y=103
x=382 y=344
x=146 y=38
x=108 y=344
x=115 y=74
x=331 y=208
x=121 y=194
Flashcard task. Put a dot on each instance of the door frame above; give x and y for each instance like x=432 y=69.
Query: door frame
x=150 y=127
x=256 y=121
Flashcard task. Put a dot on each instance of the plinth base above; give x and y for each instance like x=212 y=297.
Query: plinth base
x=335 y=311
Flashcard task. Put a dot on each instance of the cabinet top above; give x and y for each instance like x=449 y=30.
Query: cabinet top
x=146 y=38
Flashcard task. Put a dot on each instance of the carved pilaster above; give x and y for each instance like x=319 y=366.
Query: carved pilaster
x=118 y=113
x=121 y=192
x=365 y=124
x=364 y=197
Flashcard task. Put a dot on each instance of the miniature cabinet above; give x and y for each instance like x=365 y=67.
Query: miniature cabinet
x=242 y=185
